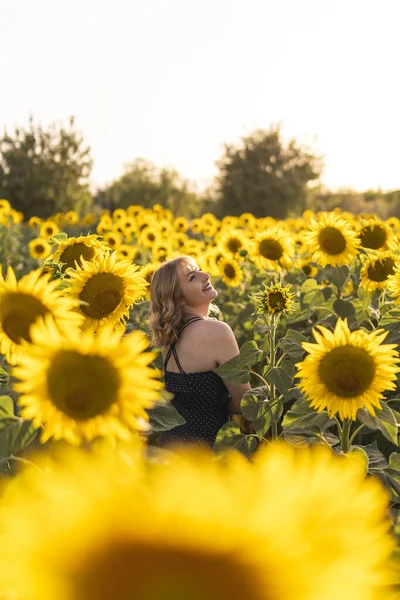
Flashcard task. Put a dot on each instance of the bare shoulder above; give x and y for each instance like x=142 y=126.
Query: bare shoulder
x=215 y=329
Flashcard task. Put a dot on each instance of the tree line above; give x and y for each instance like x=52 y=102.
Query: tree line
x=47 y=170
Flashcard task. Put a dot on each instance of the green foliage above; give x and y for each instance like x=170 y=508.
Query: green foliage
x=45 y=171
x=264 y=177
x=16 y=434
x=145 y=185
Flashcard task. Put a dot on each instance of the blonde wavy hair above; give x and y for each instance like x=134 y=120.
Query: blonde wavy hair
x=166 y=298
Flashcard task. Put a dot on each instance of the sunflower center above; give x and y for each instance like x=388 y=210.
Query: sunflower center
x=347 y=371
x=39 y=248
x=332 y=241
x=75 y=252
x=373 y=236
x=18 y=311
x=381 y=270
x=103 y=293
x=182 y=574
x=233 y=245
x=82 y=386
x=229 y=271
x=306 y=269
x=276 y=300
x=270 y=249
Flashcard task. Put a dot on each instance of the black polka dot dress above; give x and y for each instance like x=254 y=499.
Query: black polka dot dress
x=201 y=399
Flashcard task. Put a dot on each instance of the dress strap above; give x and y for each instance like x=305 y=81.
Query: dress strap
x=172 y=349
x=186 y=323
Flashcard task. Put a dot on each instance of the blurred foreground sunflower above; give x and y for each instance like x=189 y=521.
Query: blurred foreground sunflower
x=345 y=370
x=79 y=386
x=377 y=269
x=24 y=302
x=106 y=289
x=164 y=531
x=332 y=241
x=75 y=249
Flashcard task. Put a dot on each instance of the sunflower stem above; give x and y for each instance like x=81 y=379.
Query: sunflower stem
x=272 y=362
x=345 y=441
x=356 y=432
x=261 y=378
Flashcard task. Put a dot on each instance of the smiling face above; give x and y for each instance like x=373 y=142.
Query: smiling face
x=196 y=287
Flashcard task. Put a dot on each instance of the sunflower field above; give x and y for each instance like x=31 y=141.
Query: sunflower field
x=300 y=498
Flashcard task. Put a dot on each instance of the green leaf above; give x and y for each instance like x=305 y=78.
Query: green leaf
x=58 y=237
x=16 y=436
x=303 y=416
x=291 y=344
x=384 y=421
x=282 y=376
x=238 y=369
x=6 y=407
x=307 y=437
x=336 y=275
x=256 y=407
x=310 y=294
x=394 y=461
x=376 y=460
x=163 y=417
x=230 y=437
x=343 y=308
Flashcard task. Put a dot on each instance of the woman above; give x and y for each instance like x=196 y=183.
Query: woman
x=192 y=344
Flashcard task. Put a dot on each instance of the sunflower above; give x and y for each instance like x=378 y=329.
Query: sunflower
x=196 y=225
x=119 y=214
x=271 y=249
x=309 y=269
x=79 y=386
x=125 y=251
x=48 y=228
x=274 y=299
x=377 y=235
x=134 y=210
x=35 y=222
x=377 y=269
x=88 y=219
x=128 y=225
x=232 y=241
x=175 y=520
x=160 y=250
x=113 y=239
x=230 y=271
x=246 y=219
x=71 y=217
x=75 y=249
x=393 y=284
x=5 y=206
x=332 y=241
x=181 y=224
x=39 y=248
x=148 y=237
x=345 y=370
x=24 y=302
x=106 y=290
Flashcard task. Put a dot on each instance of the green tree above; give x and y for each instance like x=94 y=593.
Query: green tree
x=45 y=171
x=264 y=177
x=143 y=183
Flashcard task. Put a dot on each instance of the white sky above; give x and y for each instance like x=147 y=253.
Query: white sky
x=172 y=80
